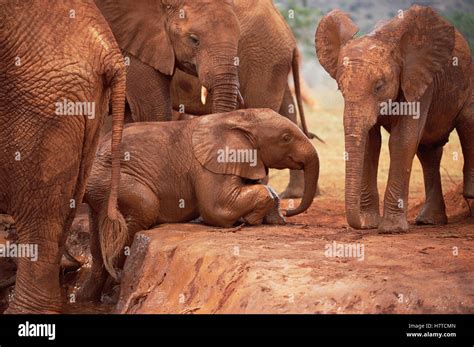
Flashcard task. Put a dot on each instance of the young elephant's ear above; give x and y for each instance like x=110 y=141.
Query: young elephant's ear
x=426 y=47
x=334 y=30
x=139 y=26
x=226 y=144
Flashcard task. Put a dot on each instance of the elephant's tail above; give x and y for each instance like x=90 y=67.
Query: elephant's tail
x=111 y=224
x=299 y=99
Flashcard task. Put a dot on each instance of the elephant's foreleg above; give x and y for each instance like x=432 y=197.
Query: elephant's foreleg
x=250 y=202
x=274 y=216
x=369 y=202
x=295 y=187
x=434 y=209
x=465 y=130
x=264 y=203
x=403 y=145
x=405 y=136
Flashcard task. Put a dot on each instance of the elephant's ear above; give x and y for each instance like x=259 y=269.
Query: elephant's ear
x=139 y=26
x=226 y=144
x=334 y=30
x=426 y=47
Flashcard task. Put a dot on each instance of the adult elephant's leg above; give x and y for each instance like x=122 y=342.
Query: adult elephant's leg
x=44 y=216
x=41 y=217
x=369 y=202
x=37 y=282
x=148 y=92
x=434 y=209
x=295 y=187
x=465 y=130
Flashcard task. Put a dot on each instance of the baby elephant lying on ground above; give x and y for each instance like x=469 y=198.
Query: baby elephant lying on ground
x=177 y=171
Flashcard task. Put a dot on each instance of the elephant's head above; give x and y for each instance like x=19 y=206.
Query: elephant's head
x=198 y=36
x=398 y=60
x=259 y=139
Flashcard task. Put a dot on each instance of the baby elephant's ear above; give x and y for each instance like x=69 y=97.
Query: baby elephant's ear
x=334 y=30
x=226 y=144
x=426 y=48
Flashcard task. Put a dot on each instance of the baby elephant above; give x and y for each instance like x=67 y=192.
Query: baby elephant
x=208 y=166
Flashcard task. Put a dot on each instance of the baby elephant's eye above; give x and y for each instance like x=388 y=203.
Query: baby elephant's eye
x=166 y=4
x=194 y=40
x=378 y=86
x=286 y=138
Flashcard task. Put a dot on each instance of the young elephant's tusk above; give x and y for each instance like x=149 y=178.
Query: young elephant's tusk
x=241 y=100
x=204 y=94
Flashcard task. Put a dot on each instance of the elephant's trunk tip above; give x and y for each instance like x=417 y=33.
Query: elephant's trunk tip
x=311 y=177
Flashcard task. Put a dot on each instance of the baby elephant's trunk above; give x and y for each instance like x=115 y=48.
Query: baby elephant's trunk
x=311 y=176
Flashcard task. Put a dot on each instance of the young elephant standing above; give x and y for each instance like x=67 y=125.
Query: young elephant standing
x=50 y=58
x=416 y=61
x=208 y=166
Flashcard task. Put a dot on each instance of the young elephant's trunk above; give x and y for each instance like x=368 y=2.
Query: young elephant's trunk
x=111 y=224
x=218 y=72
x=356 y=129
x=225 y=97
x=311 y=176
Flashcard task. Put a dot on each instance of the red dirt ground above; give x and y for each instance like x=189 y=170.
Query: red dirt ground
x=190 y=268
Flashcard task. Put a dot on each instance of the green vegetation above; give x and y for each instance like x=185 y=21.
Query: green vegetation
x=464 y=22
x=302 y=20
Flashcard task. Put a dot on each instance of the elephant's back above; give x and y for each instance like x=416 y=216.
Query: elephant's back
x=261 y=22
x=53 y=53
x=156 y=155
x=65 y=30
x=151 y=151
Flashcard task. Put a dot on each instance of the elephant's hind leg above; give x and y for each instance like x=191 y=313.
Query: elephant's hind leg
x=40 y=221
x=140 y=207
x=91 y=289
x=465 y=130
x=434 y=209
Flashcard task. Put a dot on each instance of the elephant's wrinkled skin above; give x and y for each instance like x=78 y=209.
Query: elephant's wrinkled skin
x=420 y=58
x=199 y=37
x=46 y=56
x=175 y=174
x=267 y=53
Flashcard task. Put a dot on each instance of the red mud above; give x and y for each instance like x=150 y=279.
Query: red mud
x=191 y=268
